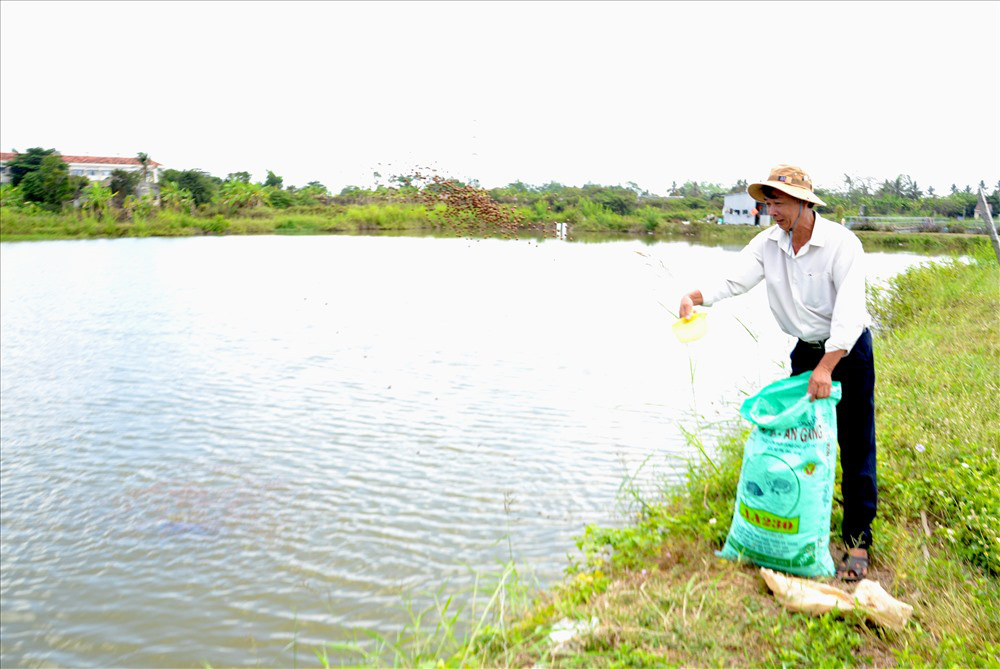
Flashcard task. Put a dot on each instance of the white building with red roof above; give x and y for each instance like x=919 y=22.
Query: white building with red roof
x=95 y=168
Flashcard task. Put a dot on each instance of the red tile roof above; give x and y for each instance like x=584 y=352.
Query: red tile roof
x=92 y=160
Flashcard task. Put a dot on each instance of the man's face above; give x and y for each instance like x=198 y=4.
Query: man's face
x=783 y=209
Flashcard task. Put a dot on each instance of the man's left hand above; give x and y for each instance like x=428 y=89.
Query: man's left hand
x=820 y=383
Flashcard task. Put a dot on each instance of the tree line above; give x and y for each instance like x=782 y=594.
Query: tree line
x=40 y=180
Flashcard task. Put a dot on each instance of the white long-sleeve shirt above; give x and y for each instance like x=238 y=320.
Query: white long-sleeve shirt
x=815 y=294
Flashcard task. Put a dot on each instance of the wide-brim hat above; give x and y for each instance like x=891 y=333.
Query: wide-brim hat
x=788 y=179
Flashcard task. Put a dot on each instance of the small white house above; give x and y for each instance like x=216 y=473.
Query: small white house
x=741 y=209
x=95 y=168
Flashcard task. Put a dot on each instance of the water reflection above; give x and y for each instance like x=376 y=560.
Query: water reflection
x=214 y=446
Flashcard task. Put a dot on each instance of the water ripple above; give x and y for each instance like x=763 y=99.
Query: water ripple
x=211 y=447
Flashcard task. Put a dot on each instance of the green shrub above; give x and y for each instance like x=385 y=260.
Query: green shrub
x=216 y=225
x=650 y=218
x=279 y=199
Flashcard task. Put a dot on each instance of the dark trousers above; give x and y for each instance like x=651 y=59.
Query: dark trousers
x=855 y=432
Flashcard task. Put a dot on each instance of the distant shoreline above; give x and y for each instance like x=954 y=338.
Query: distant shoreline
x=19 y=226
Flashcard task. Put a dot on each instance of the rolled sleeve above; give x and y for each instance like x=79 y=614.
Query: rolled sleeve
x=746 y=271
x=850 y=313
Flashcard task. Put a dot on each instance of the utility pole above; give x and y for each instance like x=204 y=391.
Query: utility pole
x=984 y=209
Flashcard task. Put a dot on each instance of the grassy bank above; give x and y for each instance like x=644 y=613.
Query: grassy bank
x=409 y=218
x=662 y=597
x=657 y=595
x=18 y=225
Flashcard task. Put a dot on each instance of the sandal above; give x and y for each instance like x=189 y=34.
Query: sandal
x=852 y=568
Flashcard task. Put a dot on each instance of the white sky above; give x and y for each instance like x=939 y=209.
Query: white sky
x=574 y=92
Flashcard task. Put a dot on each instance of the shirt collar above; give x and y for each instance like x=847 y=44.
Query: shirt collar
x=820 y=231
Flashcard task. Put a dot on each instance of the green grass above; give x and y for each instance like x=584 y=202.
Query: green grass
x=924 y=242
x=588 y=221
x=17 y=225
x=661 y=596
x=445 y=628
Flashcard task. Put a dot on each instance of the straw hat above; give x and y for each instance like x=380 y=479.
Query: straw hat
x=788 y=179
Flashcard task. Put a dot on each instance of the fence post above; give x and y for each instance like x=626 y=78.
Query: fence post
x=984 y=208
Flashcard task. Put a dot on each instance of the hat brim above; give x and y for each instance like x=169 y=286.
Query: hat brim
x=756 y=191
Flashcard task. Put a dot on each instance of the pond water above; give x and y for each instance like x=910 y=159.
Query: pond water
x=213 y=447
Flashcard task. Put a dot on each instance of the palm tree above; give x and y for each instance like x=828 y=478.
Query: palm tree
x=864 y=184
x=144 y=162
x=898 y=187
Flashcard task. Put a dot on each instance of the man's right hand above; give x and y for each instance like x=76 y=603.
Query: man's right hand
x=688 y=303
x=687 y=307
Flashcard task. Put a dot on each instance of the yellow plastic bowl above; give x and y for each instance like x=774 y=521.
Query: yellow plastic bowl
x=692 y=328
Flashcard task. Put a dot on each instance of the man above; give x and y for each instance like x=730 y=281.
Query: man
x=814 y=272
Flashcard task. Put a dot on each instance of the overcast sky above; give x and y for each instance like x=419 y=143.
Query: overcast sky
x=572 y=92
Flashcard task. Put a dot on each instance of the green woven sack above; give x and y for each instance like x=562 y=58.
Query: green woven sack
x=785 y=494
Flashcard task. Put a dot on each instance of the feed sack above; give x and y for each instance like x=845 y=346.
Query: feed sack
x=781 y=519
